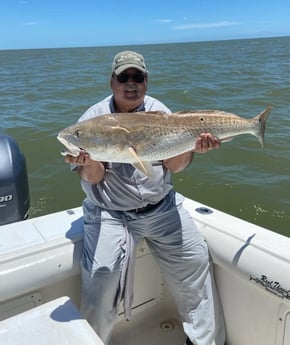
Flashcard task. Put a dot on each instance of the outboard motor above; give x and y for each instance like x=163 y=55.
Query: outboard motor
x=14 y=190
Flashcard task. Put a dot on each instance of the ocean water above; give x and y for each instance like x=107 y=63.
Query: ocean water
x=43 y=91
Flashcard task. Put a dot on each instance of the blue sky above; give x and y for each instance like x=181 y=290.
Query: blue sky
x=74 y=23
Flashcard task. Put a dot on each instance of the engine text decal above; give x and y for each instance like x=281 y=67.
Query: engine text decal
x=272 y=286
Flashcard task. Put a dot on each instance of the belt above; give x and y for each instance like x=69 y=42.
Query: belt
x=146 y=208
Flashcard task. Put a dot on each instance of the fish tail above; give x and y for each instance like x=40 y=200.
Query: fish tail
x=261 y=125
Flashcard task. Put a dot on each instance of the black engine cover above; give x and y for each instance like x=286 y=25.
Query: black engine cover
x=14 y=188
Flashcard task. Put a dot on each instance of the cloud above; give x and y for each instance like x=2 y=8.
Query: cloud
x=164 y=21
x=204 y=25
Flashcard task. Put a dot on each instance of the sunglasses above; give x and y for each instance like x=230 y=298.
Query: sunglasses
x=137 y=78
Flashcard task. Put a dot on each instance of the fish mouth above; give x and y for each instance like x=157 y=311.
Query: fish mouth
x=72 y=150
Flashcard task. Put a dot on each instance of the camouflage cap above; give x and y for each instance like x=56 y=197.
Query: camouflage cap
x=128 y=59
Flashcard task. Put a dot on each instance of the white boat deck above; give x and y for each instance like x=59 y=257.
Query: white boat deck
x=59 y=322
x=39 y=263
x=152 y=326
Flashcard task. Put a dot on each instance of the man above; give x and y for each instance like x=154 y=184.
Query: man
x=123 y=205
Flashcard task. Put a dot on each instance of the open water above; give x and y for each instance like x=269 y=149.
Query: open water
x=43 y=91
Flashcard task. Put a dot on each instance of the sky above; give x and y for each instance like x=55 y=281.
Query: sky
x=26 y=24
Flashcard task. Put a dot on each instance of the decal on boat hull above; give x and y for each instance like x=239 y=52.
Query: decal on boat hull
x=272 y=286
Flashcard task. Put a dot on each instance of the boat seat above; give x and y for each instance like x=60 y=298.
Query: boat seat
x=57 y=322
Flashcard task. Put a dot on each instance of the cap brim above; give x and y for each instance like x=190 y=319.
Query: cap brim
x=122 y=68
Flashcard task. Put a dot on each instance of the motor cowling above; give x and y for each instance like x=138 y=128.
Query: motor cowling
x=14 y=188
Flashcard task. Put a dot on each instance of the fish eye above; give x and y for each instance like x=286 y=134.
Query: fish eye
x=78 y=133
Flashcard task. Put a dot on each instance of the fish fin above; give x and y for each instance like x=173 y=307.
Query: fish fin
x=261 y=122
x=144 y=167
x=226 y=140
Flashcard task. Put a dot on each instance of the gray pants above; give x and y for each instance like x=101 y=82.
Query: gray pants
x=110 y=239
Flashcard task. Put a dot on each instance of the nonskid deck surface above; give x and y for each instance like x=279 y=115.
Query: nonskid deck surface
x=152 y=326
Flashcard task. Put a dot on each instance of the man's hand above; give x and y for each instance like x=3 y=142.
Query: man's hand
x=88 y=169
x=82 y=159
x=206 y=142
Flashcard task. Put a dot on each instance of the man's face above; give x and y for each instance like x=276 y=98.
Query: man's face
x=129 y=88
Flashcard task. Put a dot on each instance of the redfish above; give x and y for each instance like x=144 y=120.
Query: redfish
x=143 y=137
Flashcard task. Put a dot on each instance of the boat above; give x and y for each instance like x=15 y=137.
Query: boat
x=40 y=283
